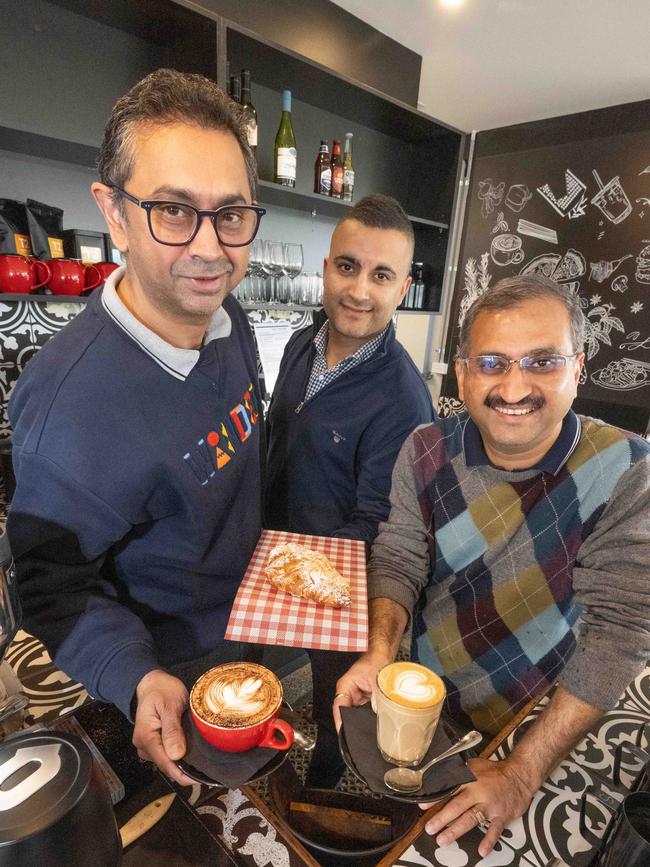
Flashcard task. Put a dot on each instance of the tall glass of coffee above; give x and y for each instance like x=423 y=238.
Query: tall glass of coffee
x=408 y=701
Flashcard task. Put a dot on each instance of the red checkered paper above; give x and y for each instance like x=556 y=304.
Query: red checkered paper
x=262 y=614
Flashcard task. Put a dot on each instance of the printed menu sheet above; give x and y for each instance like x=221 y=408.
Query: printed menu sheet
x=271 y=338
x=263 y=614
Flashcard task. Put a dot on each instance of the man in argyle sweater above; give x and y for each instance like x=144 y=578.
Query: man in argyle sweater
x=518 y=547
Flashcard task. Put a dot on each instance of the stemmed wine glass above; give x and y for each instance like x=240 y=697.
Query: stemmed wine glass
x=274 y=264
x=255 y=270
x=293 y=264
x=293 y=259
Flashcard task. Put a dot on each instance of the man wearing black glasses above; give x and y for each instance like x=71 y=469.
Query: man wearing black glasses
x=517 y=547
x=137 y=429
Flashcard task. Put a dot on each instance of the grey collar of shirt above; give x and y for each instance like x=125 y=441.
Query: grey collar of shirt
x=552 y=462
x=179 y=363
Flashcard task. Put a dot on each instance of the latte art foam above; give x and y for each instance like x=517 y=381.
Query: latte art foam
x=410 y=684
x=243 y=697
x=236 y=694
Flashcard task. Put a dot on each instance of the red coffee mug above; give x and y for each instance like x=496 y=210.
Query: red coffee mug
x=69 y=277
x=268 y=732
x=19 y=275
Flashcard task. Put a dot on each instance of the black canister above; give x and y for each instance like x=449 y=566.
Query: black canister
x=55 y=807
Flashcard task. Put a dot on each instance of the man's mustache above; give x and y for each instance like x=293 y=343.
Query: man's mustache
x=494 y=402
x=202 y=273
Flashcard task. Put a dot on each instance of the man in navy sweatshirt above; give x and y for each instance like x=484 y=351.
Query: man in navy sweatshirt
x=346 y=398
x=137 y=429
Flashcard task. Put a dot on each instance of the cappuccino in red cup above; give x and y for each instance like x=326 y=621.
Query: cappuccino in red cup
x=235 y=707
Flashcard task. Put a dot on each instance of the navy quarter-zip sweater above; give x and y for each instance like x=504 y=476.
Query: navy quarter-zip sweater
x=330 y=459
x=138 y=501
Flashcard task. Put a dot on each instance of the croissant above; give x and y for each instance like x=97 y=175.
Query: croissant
x=302 y=572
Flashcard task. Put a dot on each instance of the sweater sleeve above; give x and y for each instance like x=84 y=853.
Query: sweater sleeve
x=399 y=565
x=611 y=580
x=375 y=459
x=69 y=598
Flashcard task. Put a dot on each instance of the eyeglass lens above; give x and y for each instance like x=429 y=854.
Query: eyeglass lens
x=174 y=223
x=497 y=365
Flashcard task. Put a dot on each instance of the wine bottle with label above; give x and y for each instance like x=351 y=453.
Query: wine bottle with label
x=285 y=147
x=337 y=171
x=348 y=171
x=249 y=108
x=322 y=170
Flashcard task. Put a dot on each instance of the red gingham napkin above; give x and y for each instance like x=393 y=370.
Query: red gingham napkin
x=264 y=615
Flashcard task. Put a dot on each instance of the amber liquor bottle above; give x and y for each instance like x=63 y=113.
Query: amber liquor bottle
x=323 y=170
x=337 y=171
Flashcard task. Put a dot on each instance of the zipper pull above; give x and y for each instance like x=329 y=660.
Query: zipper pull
x=298 y=409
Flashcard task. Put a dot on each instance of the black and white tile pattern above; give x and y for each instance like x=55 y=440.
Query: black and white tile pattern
x=550 y=827
x=26 y=326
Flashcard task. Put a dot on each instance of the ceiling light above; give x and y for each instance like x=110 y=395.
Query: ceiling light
x=450 y=3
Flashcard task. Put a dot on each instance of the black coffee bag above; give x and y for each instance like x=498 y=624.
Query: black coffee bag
x=14 y=231
x=45 y=230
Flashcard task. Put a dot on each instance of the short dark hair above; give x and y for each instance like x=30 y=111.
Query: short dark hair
x=381 y=212
x=512 y=291
x=168 y=96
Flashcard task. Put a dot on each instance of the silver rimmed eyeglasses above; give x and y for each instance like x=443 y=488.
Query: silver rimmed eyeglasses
x=542 y=364
x=176 y=223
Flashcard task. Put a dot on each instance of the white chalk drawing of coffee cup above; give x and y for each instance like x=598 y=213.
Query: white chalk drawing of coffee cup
x=612 y=200
x=506 y=250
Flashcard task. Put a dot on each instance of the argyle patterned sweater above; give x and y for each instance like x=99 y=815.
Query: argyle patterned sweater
x=519 y=578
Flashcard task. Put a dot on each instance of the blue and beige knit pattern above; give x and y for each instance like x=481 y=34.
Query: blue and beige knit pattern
x=497 y=619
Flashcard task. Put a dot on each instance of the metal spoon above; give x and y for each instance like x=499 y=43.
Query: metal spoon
x=407 y=780
x=300 y=737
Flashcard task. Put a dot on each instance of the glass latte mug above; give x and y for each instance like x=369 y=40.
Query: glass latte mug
x=408 y=700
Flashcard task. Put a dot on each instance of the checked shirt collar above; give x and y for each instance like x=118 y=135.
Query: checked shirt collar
x=321 y=375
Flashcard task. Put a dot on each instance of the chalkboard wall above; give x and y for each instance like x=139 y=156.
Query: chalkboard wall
x=579 y=212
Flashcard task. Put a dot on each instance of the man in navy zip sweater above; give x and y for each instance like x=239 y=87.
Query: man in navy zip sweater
x=346 y=398
x=137 y=429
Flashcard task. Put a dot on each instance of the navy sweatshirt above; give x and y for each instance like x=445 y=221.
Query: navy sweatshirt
x=137 y=505
x=330 y=459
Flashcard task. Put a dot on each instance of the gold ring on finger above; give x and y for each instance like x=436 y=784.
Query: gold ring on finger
x=479 y=815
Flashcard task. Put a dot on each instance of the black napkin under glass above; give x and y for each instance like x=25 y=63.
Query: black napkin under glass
x=360 y=730
x=230 y=769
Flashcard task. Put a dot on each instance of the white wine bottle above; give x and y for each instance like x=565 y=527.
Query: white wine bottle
x=285 y=147
x=249 y=108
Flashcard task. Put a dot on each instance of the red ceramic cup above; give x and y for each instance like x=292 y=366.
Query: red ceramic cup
x=20 y=275
x=70 y=277
x=268 y=732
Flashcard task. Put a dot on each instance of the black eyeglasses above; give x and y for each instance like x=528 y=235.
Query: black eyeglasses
x=499 y=365
x=176 y=224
